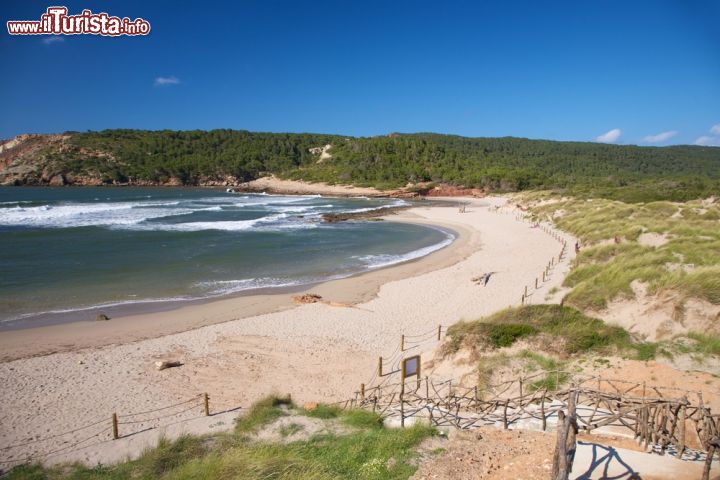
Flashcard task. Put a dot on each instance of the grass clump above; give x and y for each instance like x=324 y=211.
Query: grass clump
x=362 y=419
x=323 y=411
x=705 y=344
x=553 y=379
x=645 y=351
x=505 y=334
x=573 y=330
x=261 y=413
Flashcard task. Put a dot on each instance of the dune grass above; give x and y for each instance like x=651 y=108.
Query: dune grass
x=686 y=260
x=573 y=330
x=562 y=330
x=364 y=452
x=550 y=381
x=262 y=413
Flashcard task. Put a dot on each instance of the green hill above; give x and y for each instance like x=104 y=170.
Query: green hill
x=499 y=164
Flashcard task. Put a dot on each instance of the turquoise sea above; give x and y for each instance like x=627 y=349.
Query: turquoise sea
x=68 y=253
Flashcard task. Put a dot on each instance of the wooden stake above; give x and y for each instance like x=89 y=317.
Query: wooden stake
x=380 y=367
x=681 y=433
x=115 y=426
x=402 y=395
x=402 y=343
x=505 y=419
x=536 y=283
x=362 y=392
x=439 y=331
x=708 y=462
x=206 y=401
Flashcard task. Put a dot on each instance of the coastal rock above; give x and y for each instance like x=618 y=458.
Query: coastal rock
x=57 y=181
x=102 y=318
x=367 y=215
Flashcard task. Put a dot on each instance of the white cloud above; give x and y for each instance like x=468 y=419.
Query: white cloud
x=53 y=39
x=712 y=140
x=165 y=81
x=708 y=141
x=609 y=137
x=660 y=137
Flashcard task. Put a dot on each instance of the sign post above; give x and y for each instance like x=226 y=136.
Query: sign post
x=410 y=368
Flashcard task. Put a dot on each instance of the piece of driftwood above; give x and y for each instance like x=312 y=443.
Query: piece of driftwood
x=164 y=364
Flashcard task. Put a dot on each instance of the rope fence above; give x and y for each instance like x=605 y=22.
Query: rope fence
x=113 y=427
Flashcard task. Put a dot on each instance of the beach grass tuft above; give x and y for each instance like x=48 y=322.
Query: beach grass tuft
x=261 y=413
x=575 y=331
x=365 y=451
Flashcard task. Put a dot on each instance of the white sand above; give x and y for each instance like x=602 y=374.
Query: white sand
x=316 y=352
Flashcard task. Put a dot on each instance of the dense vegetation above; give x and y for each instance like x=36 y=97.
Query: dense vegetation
x=191 y=156
x=361 y=449
x=505 y=164
x=511 y=164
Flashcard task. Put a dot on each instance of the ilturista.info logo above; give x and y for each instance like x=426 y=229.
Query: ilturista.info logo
x=56 y=21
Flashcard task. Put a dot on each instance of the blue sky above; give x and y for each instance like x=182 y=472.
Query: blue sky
x=616 y=71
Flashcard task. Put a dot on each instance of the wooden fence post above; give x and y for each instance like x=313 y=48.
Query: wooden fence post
x=206 y=402
x=566 y=444
x=505 y=418
x=402 y=343
x=681 y=432
x=439 y=331
x=362 y=392
x=402 y=396
x=714 y=442
x=115 y=426
x=380 y=367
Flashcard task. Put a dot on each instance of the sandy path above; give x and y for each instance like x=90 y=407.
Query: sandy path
x=316 y=352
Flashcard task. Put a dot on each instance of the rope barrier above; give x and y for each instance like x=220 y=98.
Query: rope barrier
x=196 y=401
x=196 y=397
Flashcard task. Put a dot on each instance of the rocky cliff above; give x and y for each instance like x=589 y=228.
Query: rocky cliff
x=53 y=160
x=42 y=160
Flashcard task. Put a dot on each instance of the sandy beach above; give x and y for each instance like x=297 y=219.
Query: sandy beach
x=56 y=379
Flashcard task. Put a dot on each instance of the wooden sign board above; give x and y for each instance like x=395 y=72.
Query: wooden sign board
x=411 y=367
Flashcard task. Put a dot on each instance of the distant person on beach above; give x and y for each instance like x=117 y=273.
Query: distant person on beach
x=577 y=247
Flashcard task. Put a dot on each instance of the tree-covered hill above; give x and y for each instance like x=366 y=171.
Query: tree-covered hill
x=506 y=164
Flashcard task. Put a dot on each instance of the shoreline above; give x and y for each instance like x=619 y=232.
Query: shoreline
x=145 y=320
x=318 y=352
